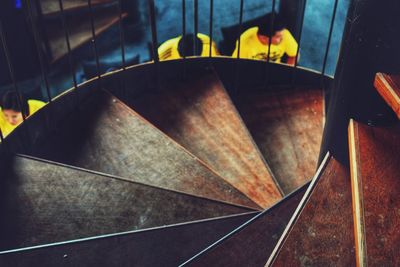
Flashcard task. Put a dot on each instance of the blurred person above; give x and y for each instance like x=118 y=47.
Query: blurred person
x=179 y=47
x=254 y=42
x=13 y=108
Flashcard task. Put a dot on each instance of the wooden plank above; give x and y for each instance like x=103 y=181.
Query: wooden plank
x=288 y=127
x=163 y=246
x=320 y=232
x=357 y=197
x=42 y=202
x=52 y=7
x=388 y=87
x=200 y=115
x=375 y=159
x=107 y=136
x=80 y=31
x=252 y=243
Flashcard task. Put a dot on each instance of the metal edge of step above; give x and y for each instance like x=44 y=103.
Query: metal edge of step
x=299 y=209
x=156 y=228
x=132 y=111
x=127 y=180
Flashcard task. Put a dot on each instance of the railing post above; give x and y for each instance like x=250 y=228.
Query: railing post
x=196 y=24
x=10 y=66
x=296 y=60
x=154 y=43
x=38 y=48
x=237 y=65
x=121 y=35
x=272 y=21
x=95 y=51
x=329 y=39
x=184 y=37
x=70 y=60
x=211 y=26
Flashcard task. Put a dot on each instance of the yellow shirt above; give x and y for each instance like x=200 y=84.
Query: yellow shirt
x=169 y=49
x=252 y=48
x=7 y=128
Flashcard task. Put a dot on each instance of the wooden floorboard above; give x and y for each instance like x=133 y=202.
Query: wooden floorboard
x=44 y=203
x=322 y=232
x=376 y=164
x=388 y=87
x=252 y=245
x=287 y=127
x=107 y=136
x=200 y=115
x=164 y=246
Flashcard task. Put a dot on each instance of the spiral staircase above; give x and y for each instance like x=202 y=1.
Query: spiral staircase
x=127 y=170
x=196 y=162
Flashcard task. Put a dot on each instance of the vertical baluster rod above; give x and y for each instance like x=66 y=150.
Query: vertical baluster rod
x=95 y=50
x=153 y=30
x=329 y=38
x=122 y=35
x=271 y=29
x=211 y=26
x=38 y=48
x=10 y=67
x=196 y=24
x=69 y=51
x=154 y=40
x=296 y=61
x=239 y=43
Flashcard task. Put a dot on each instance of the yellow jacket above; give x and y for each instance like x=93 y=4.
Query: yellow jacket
x=169 y=49
x=252 y=48
x=7 y=128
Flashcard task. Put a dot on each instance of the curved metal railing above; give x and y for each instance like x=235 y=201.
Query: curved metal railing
x=154 y=42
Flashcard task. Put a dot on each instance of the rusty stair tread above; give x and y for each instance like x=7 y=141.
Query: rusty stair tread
x=287 y=127
x=388 y=87
x=162 y=246
x=199 y=114
x=375 y=161
x=320 y=232
x=51 y=7
x=43 y=202
x=106 y=136
x=80 y=31
x=252 y=243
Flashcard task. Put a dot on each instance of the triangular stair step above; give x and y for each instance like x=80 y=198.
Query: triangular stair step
x=388 y=87
x=162 y=246
x=287 y=127
x=375 y=161
x=252 y=243
x=320 y=232
x=200 y=115
x=42 y=202
x=106 y=136
x=80 y=31
x=52 y=7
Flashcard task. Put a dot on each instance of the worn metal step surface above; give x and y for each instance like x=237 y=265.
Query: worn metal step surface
x=320 y=232
x=162 y=246
x=252 y=243
x=375 y=161
x=43 y=202
x=287 y=127
x=199 y=114
x=388 y=87
x=80 y=31
x=106 y=136
x=51 y=7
